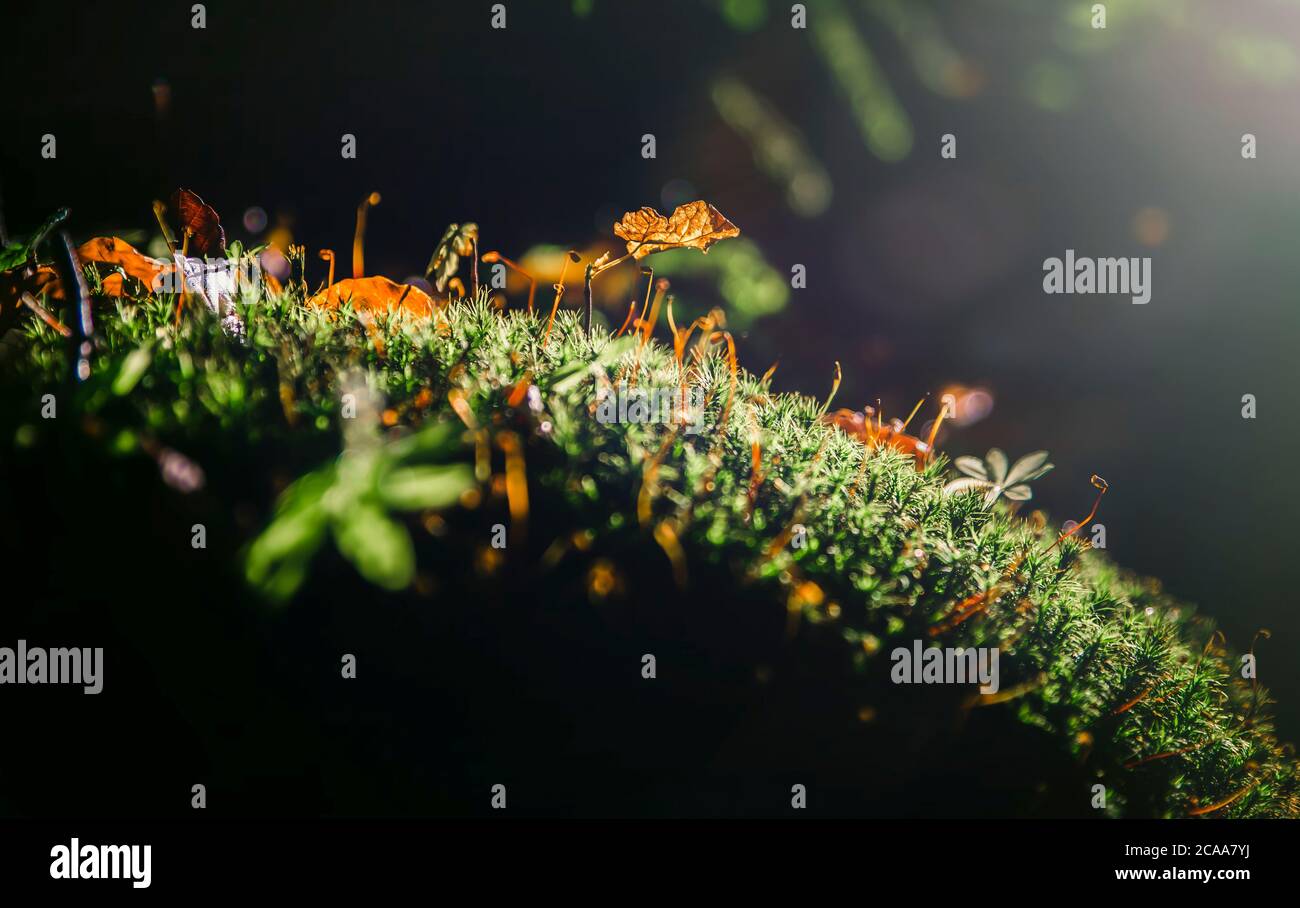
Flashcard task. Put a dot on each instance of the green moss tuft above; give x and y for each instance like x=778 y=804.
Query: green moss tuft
x=1133 y=686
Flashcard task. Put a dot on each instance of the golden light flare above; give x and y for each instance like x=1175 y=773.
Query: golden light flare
x=1151 y=226
x=967 y=405
x=603 y=579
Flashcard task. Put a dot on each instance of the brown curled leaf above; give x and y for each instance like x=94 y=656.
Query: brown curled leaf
x=695 y=225
x=199 y=220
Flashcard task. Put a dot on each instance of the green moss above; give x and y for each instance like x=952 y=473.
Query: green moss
x=1134 y=686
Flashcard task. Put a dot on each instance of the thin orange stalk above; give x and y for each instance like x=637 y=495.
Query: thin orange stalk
x=835 y=387
x=631 y=310
x=911 y=415
x=158 y=209
x=520 y=390
x=648 y=328
x=328 y=255
x=1102 y=487
x=666 y=536
x=1134 y=764
x=492 y=257
x=755 y=471
x=680 y=339
x=968 y=608
x=572 y=256
x=358 y=238
x=646 y=495
x=715 y=337
x=934 y=432
x=184 y=294
x=45 y=315
x=608 y=265
x=456 y=397
x=1211 y=808
x=516 y=480
x=649 y=285
x=1134 y=702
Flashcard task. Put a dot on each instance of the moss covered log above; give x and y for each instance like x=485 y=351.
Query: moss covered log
x=362 y=468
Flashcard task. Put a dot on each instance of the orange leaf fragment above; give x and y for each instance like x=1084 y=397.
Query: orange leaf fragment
x=375 y=294
x=695 y=225
x=118 y=253
x=13 y=284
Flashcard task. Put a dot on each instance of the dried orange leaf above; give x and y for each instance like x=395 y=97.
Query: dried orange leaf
x=695 y=225
x=13 y=284
x=118 y=253
x=374 y=293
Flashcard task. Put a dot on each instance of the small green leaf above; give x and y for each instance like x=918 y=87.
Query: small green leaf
x=306 y=491
x=379 y=548
x=13 y=256
x=284 y=579
x=415 y=488
x=133 y=369
x=439 y=440
x=293 y=537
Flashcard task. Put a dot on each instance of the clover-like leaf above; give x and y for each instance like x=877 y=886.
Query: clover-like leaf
x=971 y=466
x=1028 y=468
x=965 y=484
x=993 y=475
x=695 y=225
x=1018 y=493
x=995 y=462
